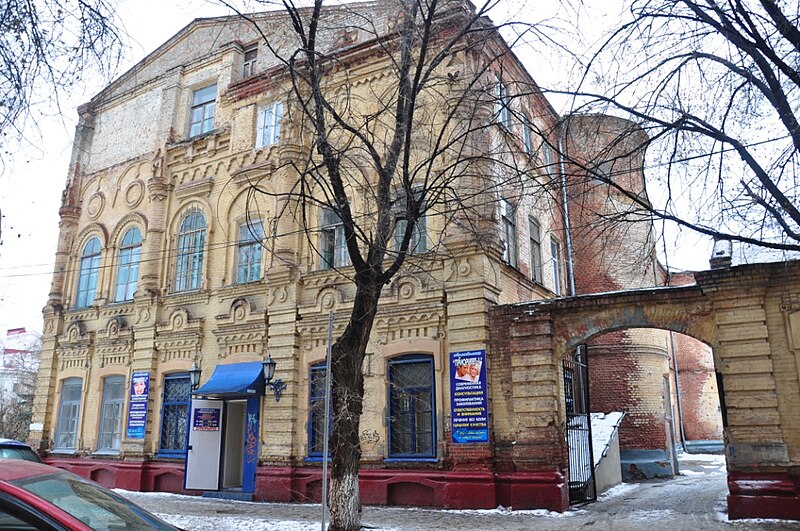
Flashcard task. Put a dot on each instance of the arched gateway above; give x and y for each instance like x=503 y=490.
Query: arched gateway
x=749 y=315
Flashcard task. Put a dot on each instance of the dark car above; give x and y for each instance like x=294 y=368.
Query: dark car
x=38 y=496
x=11 y=449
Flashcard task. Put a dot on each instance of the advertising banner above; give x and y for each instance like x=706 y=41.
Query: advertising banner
x=468 y=410
x=137 y=410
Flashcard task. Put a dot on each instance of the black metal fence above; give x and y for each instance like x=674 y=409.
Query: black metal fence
x=579 y=428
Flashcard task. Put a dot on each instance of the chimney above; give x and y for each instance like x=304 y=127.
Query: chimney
x=721 y=256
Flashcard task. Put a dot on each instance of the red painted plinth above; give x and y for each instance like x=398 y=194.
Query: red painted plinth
x=763 y=495
x=478 y=489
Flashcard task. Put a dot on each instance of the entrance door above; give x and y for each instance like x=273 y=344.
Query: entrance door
x=234 y=444
x=205 y=445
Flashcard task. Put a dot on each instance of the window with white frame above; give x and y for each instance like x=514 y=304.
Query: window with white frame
x=191 y=248
x=202 y=111
x=555 y=251
x=508 y=232
x=249 y=251
x=68 y=414
x=111 y=411
x=536 y=249
x=130 y=251
x=87 y=275
x=419 y=234
x=249 y=63
x=502 y=103
x=527 y=135
x=268 y=130
x=332 y=244
x=548 y=158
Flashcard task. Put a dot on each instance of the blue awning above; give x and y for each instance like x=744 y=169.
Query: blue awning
x=236 y=380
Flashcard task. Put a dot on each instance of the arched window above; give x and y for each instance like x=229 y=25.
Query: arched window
x=191 y=243
x=68 y=413
x=87 y=277
x=130 y=252
x=412 y=433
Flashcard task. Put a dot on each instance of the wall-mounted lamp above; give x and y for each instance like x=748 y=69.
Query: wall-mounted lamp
x=194 y=375
x=278 y=386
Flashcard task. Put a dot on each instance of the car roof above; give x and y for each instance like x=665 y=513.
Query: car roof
x=11 y=469
x=12 y=442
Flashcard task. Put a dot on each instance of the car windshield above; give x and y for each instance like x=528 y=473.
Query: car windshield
x=95 y=506
x=19 y=452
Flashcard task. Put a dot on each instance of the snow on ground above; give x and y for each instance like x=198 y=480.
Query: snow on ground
x=226 y=523
x=619 y=490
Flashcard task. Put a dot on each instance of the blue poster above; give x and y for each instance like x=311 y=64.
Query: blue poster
x=468 y=411
x=206 y=419
x=137 y=411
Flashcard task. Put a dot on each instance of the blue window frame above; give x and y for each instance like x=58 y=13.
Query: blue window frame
x=175 y=414
x=249 y=252
x=130 y=252
x=191 y=247
x=412 y=415
x=87 y=277
x=316 y=409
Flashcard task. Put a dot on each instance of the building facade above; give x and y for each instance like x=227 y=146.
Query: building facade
x=165 y=261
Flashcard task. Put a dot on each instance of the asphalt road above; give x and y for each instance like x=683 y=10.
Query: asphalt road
x=694 y=501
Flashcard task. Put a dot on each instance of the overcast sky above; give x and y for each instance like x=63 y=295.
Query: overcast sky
x=30 y=188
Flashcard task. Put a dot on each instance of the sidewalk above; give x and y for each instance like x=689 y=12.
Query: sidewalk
x=692 y=501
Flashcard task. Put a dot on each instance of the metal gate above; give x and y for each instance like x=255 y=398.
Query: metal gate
x=579 y=428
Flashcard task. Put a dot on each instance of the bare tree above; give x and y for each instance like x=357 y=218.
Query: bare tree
x=716 y=86
x=46 y=48
x=421 y=142
x=20 y=363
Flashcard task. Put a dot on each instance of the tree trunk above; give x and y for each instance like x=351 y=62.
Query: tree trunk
x=348 y=395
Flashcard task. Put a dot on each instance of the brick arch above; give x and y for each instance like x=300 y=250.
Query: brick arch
x=684 y=310
x=747 y=314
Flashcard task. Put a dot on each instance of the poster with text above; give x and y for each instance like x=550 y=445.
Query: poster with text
x=206 y=419
x=137 y=411
x=468 y=411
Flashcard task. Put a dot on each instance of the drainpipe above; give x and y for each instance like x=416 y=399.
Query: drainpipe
x=677 y=387
x=565 y=209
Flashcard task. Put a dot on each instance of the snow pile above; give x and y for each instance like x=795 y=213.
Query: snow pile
x=603 y=427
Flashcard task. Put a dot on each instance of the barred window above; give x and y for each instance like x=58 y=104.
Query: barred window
x=412 y=432
x=174 y=414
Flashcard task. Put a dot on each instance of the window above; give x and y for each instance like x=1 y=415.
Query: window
x=316 y=410
x=527 y=135
x=508 y=233
x=547 y=155
x=249 y=251
x=536 y=250
x=128 y=270
x=249 y=64
x=269 y=124
x=203 y=106
x=502 y=103
x=419 y=236
x=333 y=245
x=191 y=244
x=174 y=414
x=555 y=251
x=111 y=413
x=87 y=277
x=68 y=414
x=411 y=413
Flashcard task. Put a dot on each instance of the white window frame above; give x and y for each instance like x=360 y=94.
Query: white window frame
x=204 y=121
x=112 y=411
x=191 y=246
x=249 y=251
x=502 y=103
x=555 y=253
x=508 y=232
x=250 y=59
x=268 y=126
x=333 y=247
x=535 y=234
x=69 y=414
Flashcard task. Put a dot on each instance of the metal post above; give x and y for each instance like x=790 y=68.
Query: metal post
x=325 y=437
